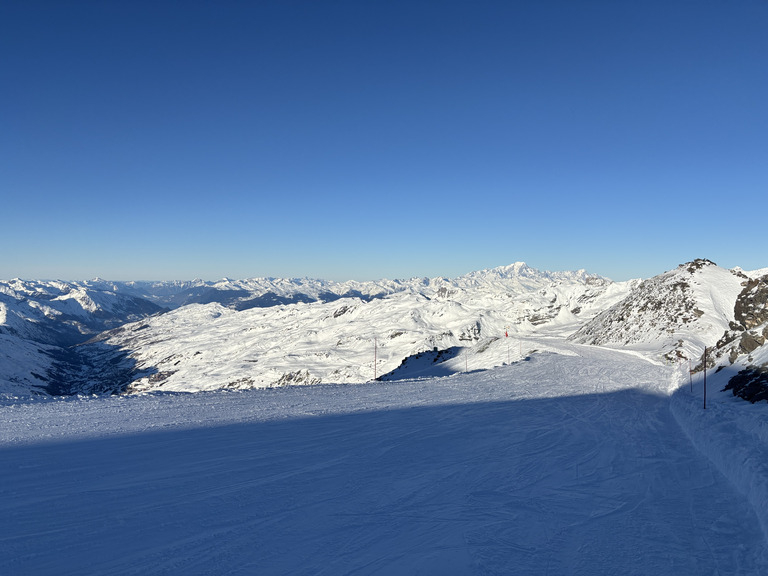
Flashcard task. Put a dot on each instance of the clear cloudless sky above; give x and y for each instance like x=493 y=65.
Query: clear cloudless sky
x=369 y=139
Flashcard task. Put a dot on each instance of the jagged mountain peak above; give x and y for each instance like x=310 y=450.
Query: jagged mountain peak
x=694 y=265
x=514 y=269
x=521 y=277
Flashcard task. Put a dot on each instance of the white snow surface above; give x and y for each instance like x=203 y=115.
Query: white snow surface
x=732 y=433
x=715 y=290
x=753 y=273
x=569 y=461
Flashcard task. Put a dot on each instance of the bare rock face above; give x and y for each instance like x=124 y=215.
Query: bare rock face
x=749 y=330
x=750 y=342
x=747 y=337
x=751 y=307
x=697 y=264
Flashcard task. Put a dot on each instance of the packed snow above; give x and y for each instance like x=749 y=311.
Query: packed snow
x=568 y=461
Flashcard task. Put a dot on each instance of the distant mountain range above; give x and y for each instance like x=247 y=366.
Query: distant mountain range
x=127 y=337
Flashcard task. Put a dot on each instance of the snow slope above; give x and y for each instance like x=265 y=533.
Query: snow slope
x=24 y=365
x=732 y=434
x=569 y=462
x=678 y=315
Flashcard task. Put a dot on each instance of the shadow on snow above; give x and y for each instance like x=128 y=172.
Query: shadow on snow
x=585 y=484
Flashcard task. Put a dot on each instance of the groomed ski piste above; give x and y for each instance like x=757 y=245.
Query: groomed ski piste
x=571 y=459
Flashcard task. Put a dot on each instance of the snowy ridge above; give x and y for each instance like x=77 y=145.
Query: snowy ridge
x=40 y=320
x=677 y=315
x=290 y=331
x=58 y=312
x=673 y=315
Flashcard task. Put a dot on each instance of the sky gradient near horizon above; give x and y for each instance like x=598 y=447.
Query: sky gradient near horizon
x=362 y=140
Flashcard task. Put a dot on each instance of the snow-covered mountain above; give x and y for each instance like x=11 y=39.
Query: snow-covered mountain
x=696 y=306
x=266 y=331
x=470 y=321
x=40 y=322
x=263 y=332
x=62 y=312
x=676 y=313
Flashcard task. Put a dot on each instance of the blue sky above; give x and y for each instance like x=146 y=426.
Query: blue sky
x=361 y=140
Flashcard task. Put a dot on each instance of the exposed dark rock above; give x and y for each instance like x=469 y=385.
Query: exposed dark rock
x=751 y=307
x=750 y=384
x=299 y=377
x=416 y=363
x=697 y=264
x=343 y=310
x=750 y=342
x=443 y=292
x=470 y=333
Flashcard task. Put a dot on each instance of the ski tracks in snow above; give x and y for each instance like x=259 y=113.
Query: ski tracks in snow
x=555 y=465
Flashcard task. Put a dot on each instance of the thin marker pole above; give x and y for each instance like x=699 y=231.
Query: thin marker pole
x=375 y=350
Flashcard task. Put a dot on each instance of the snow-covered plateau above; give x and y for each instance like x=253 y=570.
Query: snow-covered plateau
x=510 y=421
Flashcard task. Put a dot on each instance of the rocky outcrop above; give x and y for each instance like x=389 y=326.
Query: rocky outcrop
x=656 y=309
x=745 y=342
x=750 y=384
